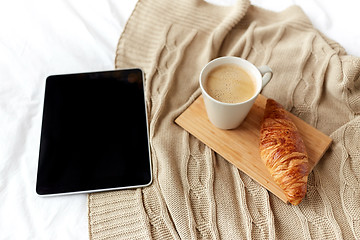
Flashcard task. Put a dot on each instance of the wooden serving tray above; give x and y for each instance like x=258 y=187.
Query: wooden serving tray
x=240 y=146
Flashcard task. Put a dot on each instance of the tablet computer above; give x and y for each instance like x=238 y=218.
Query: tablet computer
x=94 y=134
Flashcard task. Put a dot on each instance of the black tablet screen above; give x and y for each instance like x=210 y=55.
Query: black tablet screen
x=94 y=133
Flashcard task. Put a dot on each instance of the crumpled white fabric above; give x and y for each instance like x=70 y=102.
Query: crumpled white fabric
x=40 y=38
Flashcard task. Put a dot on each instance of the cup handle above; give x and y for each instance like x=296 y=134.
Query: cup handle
x=266 y=74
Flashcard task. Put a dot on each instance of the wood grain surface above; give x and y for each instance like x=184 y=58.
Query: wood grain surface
x=240 y=146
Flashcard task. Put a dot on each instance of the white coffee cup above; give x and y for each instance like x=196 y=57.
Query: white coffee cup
x=231 y=115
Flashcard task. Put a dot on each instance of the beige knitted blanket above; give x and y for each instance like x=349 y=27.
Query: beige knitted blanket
x=196 y=194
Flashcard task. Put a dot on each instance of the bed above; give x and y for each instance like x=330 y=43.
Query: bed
x=41 y=38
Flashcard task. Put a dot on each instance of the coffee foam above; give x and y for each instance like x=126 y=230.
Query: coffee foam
x=230 y=83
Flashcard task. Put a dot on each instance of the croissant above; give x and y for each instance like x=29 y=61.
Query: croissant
x=283 y=152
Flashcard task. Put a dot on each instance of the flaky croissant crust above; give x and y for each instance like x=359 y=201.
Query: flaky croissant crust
x=283 y=151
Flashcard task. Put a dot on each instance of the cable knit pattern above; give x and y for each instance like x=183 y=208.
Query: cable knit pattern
x=196 y=194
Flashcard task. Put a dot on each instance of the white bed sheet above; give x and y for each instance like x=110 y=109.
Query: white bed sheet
x=40 y=38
